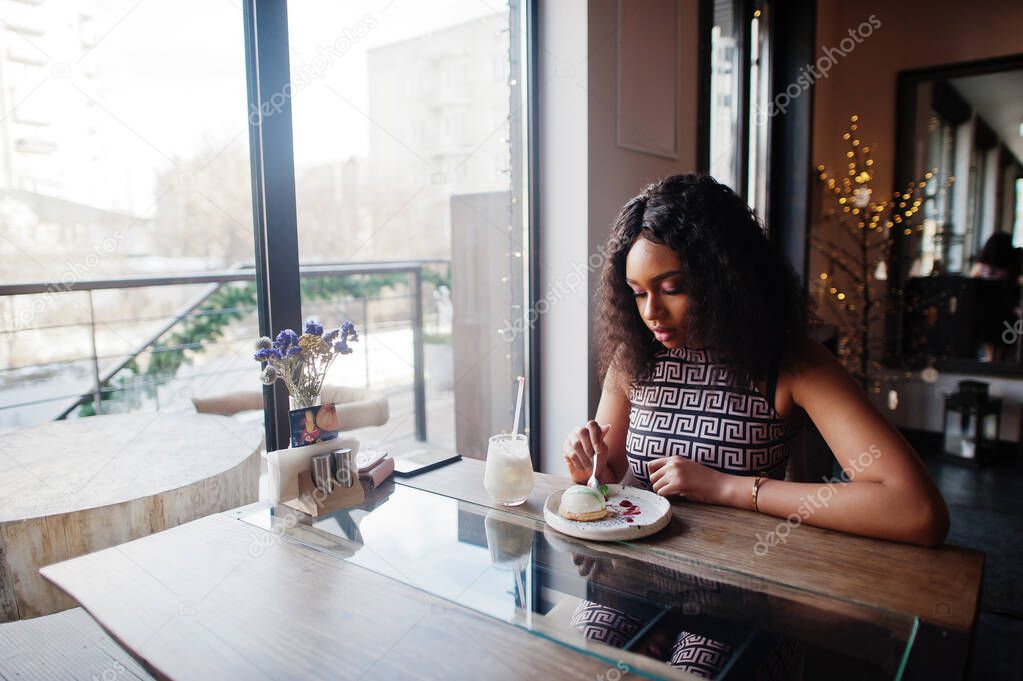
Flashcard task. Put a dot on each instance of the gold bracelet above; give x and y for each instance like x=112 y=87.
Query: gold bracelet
x=756 y=489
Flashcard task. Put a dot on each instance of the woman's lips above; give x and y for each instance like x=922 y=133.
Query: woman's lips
x=662 y=334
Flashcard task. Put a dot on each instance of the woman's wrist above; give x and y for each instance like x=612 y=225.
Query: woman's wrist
x=736 y=491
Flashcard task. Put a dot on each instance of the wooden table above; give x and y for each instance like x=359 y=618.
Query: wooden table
x=71 y=487
x=198 y=602
x=941 y=586
x=194 y=602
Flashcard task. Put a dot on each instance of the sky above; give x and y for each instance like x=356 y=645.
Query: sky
x=174 y=72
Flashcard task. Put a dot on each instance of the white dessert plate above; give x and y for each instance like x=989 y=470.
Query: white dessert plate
x=632 y=513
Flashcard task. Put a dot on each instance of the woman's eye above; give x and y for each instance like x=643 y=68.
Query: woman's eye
x=638 y=294
x=673 y=291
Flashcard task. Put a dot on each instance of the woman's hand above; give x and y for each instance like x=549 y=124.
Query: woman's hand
x=678 y=476
x=598 y=569
x=580 y=447
x=588 y=566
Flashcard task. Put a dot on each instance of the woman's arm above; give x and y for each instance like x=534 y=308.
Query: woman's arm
x=609 y=443
x=890 y=494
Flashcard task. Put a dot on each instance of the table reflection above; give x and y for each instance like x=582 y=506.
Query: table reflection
x=609 y=600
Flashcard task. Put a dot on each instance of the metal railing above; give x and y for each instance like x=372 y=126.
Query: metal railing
x=101 y=377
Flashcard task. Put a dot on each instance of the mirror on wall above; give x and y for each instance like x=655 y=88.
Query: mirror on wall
x=959 y=276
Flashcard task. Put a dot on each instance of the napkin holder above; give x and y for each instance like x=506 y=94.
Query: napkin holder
x=313 y=501
x=291 y=480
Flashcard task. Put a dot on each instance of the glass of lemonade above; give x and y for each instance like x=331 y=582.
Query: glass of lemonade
x=509 y=543
x=508 y=474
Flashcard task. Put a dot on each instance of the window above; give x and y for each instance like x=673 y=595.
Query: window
x=740 y=109
x=938 y=198
x=1017 y=228
x=123 y=151
x=724 y=93
x=408 y=131
x=759 y=125
x=408 y=140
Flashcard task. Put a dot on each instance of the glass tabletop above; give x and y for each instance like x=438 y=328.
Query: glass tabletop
x=642 y=613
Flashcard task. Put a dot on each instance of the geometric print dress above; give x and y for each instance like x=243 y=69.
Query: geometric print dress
x=691 y=406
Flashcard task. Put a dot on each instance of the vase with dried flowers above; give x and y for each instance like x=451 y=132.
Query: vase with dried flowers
x=302 y=361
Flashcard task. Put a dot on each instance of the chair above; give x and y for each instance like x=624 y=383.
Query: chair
x=356 y=407
x=65 y=645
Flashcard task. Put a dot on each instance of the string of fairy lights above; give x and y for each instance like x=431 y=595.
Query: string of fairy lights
x=854 y=283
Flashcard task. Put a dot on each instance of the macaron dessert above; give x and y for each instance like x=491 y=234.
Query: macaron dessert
x=583 y=503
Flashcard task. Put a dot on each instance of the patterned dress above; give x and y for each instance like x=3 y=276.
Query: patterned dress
x=691 y=406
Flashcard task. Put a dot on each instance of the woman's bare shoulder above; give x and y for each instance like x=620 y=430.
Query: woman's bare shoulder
x=808 y=356
x=618 y=380
x=807 y=361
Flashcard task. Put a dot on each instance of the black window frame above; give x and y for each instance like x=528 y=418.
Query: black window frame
x=790 y=30
x=275 y=224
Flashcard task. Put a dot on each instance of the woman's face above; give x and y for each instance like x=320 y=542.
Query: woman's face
x=654 y=274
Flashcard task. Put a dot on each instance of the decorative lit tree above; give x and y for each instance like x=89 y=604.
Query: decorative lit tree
x=859 y=230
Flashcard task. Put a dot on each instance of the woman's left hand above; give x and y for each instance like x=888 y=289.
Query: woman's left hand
x=678 y=476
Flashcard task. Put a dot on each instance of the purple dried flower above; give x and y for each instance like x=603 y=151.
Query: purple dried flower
x=286 y=339
x=314 y=328
x=263 y=354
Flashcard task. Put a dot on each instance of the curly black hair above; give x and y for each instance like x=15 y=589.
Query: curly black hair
x=746 y=304
x=998 y=252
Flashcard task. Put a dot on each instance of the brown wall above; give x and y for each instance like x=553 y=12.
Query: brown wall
x=913 y=34
x=589 y=168
x=625 y=35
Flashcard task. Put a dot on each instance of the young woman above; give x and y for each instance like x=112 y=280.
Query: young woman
x=999 y=264
x=998 y=259
x=708 y=376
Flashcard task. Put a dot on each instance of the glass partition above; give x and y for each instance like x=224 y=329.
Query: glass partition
x=409 y=148
x=125 y=209
x=630 y=607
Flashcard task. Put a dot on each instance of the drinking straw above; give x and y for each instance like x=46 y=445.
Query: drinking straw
x=518 y=405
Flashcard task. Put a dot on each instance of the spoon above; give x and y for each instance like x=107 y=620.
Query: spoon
x=593 y=482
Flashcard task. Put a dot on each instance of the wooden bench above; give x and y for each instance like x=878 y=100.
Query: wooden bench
x=65 y=646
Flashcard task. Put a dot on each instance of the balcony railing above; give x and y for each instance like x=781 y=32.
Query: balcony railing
x=160 y=343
